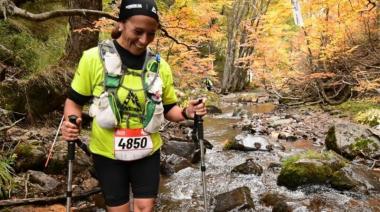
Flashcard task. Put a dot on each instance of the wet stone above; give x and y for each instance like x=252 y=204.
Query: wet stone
x=237 y=199
x=249 y=167
x=46 y=182
x=183 y=149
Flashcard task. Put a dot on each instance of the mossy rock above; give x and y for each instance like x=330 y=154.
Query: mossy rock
x=309 y=168
x=364 y=146
x=232 y=145
x=304 y=172
x=30 y=155
x=341 y=181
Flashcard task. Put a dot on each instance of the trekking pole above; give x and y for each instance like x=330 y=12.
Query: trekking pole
x=198 y=137
x=70 y=159
x=198 y=119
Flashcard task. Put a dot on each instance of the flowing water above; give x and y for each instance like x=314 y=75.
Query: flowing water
x=183 y=190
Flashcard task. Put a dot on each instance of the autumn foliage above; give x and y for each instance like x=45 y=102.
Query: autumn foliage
x=334 y=56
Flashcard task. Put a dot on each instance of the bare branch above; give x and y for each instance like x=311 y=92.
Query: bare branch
x=8 y=7
x=10 y=126
x=366 y=65
x=166 y=34
x=13 y=10
x=47 y=200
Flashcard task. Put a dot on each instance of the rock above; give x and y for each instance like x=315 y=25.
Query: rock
x=275 y=135
x=282 y=207
x=46 y=182
x=30 y=155
x=356 y=178
x=281 y=122
x=249 y=167
x=211 y=109
x=89 y=183
x=58 y=161
x=351 y=140
x=173 y=163
x=309 y=168
x=271 y=198
x=251 y=142
x=183 y=149
x=262 y=99
x=287 y=136
x=240 y=112
x=237 y=199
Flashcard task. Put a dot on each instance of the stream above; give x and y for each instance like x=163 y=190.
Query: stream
x=183 y=190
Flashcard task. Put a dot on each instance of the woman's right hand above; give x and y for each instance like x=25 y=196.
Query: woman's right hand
x=71 y=131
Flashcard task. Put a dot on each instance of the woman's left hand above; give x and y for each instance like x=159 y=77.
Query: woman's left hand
x=196 y=107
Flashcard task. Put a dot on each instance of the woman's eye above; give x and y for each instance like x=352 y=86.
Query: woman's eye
x=139 y=32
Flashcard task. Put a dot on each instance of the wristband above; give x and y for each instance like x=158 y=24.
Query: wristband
x=184 y=114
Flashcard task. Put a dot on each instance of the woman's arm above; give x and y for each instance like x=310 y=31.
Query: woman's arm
x=177 y=114
x=71 y=131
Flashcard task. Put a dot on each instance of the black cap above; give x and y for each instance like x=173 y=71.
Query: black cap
x=130 y=8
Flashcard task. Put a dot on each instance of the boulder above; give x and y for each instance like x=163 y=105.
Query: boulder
x=309 y=168
x=30 y=155
x=183 y=149
x=330 y=169
x=352 y=140
x=249 y=167
x=237 y=199
x=357 y=178
x=173 y=163
x=45 y=182
x=253 y=142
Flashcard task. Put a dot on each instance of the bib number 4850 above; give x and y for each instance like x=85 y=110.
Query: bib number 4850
x=135 y=143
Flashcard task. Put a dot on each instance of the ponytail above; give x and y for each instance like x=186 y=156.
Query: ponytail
x=115 y=33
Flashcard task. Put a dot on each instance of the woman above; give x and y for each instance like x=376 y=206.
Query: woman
x=116 y=171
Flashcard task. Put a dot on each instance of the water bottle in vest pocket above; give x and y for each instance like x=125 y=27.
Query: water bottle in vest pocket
x=154 y=116
x=105 y=111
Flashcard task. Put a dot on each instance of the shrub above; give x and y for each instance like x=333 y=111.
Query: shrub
x=370 y=117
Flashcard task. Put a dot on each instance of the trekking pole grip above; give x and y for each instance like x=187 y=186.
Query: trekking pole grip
x=71 y=144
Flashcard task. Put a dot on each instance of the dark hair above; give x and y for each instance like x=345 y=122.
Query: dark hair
x=115 y=33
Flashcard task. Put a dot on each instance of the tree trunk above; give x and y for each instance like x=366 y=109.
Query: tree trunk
x=79 y=40
x=235 y=71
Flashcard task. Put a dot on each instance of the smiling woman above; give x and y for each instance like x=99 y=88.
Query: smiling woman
x=133 y=92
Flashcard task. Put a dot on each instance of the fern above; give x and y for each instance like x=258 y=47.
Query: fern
x=6 y=173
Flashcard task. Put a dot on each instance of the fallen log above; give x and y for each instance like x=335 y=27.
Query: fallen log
x=47 y=200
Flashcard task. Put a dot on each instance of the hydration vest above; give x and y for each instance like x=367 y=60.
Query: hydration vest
x=107 y=109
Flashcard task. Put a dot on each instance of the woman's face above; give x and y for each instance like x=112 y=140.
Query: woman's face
x=137 y=33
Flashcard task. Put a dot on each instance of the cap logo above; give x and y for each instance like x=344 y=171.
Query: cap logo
x=133 y=6
x=154 y=10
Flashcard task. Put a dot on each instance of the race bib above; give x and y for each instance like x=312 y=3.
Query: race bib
x=132 y=144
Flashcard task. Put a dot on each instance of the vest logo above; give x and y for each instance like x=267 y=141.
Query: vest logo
x=133 y=6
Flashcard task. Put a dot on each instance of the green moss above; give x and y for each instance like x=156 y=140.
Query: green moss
x=230 y=144
x=330 y=140
x=363 y=145
x=318 y=171
x=34 y=45
x=310 y=154
x=24 y=149
x=340 y=181
x=296 y=174
x=354 y=107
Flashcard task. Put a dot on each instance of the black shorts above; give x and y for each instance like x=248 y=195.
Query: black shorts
x=115 y=176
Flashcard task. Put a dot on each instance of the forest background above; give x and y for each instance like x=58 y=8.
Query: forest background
x=332 y=57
